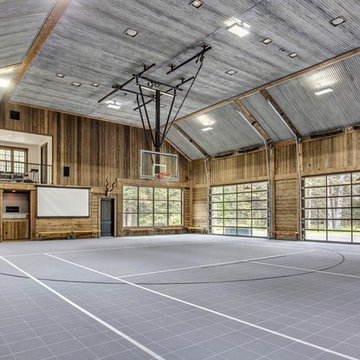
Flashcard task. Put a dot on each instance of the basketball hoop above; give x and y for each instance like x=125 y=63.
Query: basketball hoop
x=164 y=175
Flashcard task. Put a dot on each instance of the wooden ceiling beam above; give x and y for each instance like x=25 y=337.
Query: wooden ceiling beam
x=254 y=123
x=280 y=113
x=47 y=28
x=178 y=150
x=183 y=133
x=272 y=83
x=9 y=68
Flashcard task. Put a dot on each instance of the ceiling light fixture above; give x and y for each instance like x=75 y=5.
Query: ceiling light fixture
x=266 y=41
x=76 y=83
x=95 y=84
x=238 y=29
x=163 y=106
x=59 y=75
x=197 y=4
x=4 y=83
x=293 y=55
x=231 y=72
x=207 y=129
x=131 y=32
x=112 y=104
x=324 y=91
x=337 y=21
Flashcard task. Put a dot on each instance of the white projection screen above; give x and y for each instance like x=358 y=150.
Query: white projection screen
x=62 y=202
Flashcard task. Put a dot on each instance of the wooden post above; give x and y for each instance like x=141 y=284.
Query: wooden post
x=1 y=215
x=33 y=209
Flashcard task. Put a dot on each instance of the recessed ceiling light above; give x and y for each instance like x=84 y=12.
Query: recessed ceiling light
x=4 y=83
x=231 y=72
x=163 y=106
x=337 y=21
x=266 y=41
x=59 y=75
x=196 y=4
x=238 y=30
x=324 y=91
x=207 y=129
x=293 y=55
x=131 y=32
x=95 y=84
x=76 y=83
x=112 y=104
x=177 y=106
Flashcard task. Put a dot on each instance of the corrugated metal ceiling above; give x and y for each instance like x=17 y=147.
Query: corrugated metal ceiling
x=311 y=113
x=266 y=117
x=184 y=145
x=20 y=20
x=228 y=131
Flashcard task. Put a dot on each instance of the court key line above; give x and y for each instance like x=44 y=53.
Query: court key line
x=306 y=269
x=209 y=310
x=94 y=317
x=204 y=266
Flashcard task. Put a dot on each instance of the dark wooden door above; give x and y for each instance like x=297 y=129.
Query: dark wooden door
x=107 y=217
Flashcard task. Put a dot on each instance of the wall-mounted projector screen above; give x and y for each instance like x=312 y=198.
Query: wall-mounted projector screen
x=62 y=202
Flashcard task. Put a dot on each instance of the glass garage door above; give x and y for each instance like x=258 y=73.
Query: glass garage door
x=332 y=207
x=241 y=209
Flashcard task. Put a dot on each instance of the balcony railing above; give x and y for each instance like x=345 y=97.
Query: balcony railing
x=20 y=172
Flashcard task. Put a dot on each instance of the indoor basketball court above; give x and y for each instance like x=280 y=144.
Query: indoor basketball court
x=179 y=180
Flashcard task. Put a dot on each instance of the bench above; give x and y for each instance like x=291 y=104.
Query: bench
x=40 y=234
x=202 y=229
x=68 y=233
x=164 y=228
x=140 y=229
x=84 y=232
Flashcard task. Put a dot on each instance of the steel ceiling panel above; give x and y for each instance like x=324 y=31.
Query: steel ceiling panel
x=88 y=45
x=184 y=144
x=266 y=117
x=311 y=113
x=20 y=21
x=228 y=131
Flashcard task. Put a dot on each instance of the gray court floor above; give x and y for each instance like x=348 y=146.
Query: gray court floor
x=179 y=297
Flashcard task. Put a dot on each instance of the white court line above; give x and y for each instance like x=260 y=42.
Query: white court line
x=102 y=322
x=214 y=264
x=306 y=269
x=210 y=311
x=236 y=241
x=97 y=249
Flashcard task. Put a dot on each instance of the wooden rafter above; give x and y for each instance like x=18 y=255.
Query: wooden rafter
x=182 y=132
x=9 y=67
x=272 y=83
x=47 y=28
x=177 y=149
x=253 y=121
x=280 y=112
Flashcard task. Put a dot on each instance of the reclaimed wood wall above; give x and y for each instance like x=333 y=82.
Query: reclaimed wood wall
x=316 y=156
x=94 y=150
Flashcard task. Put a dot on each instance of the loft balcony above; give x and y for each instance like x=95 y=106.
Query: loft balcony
x=21 y=172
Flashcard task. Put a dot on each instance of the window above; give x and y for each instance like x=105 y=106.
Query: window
x=13 y=160
x=240 y=209
x=331 y=209
x=148 y=206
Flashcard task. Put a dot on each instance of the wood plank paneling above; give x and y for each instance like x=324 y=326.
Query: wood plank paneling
x=93 y=149
x=15 y=229
x=286 y=216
